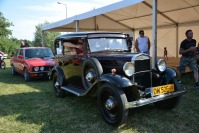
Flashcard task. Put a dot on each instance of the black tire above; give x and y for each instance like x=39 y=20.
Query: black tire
x=118 y=113
x=172 y=102
x=91 y=66
x=13 y=72
x=3 y=65
x=27 y=75
x=57 y=86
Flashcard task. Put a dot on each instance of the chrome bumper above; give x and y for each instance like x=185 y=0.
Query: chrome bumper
x=146 y=101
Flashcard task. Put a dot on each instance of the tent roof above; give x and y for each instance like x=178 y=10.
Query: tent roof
x=129 y=15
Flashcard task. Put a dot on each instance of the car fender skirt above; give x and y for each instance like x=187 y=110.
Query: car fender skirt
x=116 y=80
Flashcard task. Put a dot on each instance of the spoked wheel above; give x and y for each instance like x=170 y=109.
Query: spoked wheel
x=3 y=65
x=91 y=71
x=13 y=72
x=111 y=101
x=172 y=102
x=57 y=86
x=27 y=75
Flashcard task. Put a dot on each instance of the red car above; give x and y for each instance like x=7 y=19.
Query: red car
x=32 y=62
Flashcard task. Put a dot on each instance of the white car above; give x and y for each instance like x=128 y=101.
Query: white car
x=3 y=55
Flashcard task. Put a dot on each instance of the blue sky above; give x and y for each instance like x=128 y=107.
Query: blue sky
x=26 y=14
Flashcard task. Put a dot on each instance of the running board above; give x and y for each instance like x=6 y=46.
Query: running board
x=74 y=90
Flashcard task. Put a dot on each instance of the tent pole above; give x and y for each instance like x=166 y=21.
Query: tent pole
x=43 y=38
x=177 y=40
x=154 y=34
x=77 y=25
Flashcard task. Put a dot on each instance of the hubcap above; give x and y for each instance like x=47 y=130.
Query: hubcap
x=110 y=104
x=90 y=76
x=57 y=84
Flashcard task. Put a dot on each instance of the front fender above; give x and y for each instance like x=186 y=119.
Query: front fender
x=116 y=80
x=170 y=73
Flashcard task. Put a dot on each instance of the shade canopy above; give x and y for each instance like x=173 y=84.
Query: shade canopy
x=174 y=17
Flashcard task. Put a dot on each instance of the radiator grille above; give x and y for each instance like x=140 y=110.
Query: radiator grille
x=142 y=65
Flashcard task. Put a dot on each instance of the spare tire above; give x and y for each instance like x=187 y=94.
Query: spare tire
x=91 y=71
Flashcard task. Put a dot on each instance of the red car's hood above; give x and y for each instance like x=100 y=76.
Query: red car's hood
x=40 y=62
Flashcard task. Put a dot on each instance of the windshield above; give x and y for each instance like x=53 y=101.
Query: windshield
x=110 y=44
x=39 y=53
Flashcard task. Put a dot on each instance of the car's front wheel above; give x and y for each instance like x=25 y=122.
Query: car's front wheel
x=57 y=86
x=172 y=102
x=3 y=65
x=111 y=101
x=27 y=75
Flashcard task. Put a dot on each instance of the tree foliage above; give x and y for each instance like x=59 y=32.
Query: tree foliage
x=48 y=36
x=4 y=25
x=7 y=45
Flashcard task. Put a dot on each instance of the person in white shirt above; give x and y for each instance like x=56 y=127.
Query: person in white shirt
x=142 y=43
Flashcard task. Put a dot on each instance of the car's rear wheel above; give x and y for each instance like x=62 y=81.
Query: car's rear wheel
x=172 y=102
x=3 y=65
x=27 y=75
x=57 y=86
x=91 y=71
x=13 y=72
x=111 y=101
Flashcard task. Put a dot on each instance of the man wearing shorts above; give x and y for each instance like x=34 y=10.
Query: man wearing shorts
x=188 y=52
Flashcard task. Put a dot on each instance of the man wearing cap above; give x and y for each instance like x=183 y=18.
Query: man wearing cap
x=142 y=43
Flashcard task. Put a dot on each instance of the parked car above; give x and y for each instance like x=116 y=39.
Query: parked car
x=3 y=55
x=121 y=80
x=32 y=62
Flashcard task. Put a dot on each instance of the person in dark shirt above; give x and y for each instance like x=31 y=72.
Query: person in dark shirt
x=22 y=43
x=188 y=52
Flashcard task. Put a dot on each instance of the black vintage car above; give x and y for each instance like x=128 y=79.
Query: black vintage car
x=102 y=67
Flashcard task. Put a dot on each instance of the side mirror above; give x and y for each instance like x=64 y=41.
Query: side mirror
x=20 y=56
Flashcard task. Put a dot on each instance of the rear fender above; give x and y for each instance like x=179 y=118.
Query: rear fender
x=60 y=73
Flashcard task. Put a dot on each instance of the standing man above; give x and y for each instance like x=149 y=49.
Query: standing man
x=188 y=52
x=142 y=43
x=129 y=42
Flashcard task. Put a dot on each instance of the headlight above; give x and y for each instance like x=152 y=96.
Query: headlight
x=36 y=68
x=41 y=68
x=129 y=68
x=161 y=65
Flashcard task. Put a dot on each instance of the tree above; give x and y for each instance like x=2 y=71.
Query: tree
x=49 y=36
x=4 y=25
x=7 y=45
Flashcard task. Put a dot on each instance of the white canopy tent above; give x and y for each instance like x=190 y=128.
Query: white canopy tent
x=174 y=17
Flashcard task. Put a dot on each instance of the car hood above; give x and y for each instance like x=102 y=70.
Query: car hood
x=40 y=62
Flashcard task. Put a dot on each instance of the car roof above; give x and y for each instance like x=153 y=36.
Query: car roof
x=84 y=34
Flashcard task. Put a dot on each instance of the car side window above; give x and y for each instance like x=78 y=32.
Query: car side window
x=59 y=48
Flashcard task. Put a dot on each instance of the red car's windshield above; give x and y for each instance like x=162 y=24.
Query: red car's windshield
x=39 y=53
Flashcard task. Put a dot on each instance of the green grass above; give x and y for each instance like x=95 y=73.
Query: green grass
x=32 y=107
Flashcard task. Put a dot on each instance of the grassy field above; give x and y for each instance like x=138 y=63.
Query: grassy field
x=32 y=107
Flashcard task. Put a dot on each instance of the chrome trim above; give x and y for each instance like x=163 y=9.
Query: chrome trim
x=158 y=63
x=146 y=101
x=140 y=55
x=110 y=104
x=142 y=72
